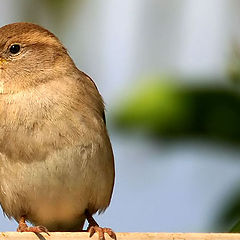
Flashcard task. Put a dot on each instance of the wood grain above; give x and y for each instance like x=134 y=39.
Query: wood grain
x=121 y=236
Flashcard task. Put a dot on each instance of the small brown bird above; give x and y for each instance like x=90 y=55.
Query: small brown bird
x=56 y=159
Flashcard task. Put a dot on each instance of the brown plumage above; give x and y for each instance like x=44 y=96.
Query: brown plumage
x=56 y=160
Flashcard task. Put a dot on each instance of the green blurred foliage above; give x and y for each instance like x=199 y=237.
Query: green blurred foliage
x=228 y=219
x=55 y=12
x=163 y=108
x=233 y=69
x=166 y=109
x=153 y=106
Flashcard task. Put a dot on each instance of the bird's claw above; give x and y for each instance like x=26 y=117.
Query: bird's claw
x=35 y=229
x=101 y=232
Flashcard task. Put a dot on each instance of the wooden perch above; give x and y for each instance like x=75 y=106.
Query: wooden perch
x=120 y=236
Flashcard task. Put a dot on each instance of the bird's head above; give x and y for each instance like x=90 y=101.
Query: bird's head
x=30 y=55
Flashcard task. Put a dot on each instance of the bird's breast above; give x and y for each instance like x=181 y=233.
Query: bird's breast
x=55 y=160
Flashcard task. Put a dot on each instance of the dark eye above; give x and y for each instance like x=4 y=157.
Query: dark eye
x=15 y=48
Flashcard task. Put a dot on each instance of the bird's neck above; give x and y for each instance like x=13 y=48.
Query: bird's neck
x=34 y=104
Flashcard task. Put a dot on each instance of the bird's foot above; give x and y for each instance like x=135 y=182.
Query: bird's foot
x=23 y=227
x=36 y=229
x=94 y=227
x=101 y=232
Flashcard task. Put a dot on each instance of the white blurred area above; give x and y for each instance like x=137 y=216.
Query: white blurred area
x=159 y=187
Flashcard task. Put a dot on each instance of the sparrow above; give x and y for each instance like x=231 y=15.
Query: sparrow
x=56 y=159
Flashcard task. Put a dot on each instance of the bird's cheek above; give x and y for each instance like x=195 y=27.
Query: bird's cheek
x=2 y=62
x=1 y=87
x=3 y=66
x=2 y=80
x=4 y=76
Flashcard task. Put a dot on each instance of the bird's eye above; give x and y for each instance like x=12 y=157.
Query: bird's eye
x=15 y=48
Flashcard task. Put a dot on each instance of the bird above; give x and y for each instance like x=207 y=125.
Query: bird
x=56 y=159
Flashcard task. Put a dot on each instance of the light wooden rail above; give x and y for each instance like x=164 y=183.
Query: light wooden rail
x=121 y=236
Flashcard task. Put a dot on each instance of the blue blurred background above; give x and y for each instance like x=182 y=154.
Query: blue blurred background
x=169 y=72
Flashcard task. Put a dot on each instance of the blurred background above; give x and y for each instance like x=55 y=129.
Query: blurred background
x=169 y=72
